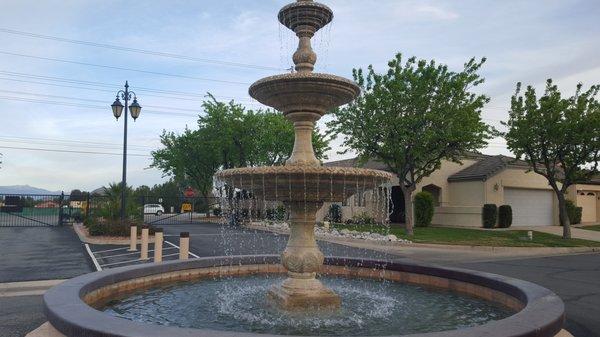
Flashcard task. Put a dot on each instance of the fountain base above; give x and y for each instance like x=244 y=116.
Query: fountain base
x=303 y=295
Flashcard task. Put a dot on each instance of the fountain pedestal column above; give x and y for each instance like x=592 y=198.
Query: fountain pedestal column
x=302 y=258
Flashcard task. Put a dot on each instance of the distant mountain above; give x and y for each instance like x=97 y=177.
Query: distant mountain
x=25 y=189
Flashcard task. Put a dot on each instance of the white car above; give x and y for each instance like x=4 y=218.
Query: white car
x=154 y=209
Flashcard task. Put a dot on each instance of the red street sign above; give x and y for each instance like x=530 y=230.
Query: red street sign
x=189 y=192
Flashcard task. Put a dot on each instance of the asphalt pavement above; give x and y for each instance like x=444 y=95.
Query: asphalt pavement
x=575 y=278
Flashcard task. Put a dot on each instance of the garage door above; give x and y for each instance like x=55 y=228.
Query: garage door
x=530 y=207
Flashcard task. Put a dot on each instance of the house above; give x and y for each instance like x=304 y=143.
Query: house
x=461 y=190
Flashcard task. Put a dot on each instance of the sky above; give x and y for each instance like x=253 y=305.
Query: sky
x=55 y=95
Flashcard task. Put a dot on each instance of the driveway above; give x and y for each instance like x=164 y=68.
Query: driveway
x=40 y=253
x=576 y=233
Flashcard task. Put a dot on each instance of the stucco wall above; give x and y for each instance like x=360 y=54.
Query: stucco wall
x=572 y=194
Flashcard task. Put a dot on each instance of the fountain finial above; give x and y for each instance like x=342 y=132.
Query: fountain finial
x=305 y=18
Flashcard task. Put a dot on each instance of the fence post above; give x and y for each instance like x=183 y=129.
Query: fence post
x=87 y=206
x=143 y=200
x=60 y=208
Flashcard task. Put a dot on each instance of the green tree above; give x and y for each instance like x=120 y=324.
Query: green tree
x=191 y=157
x=559 y=137
x=111 y=207
x=228 y=136
x=412 y=117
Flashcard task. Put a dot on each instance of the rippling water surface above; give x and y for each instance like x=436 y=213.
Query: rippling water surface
x=369 y=307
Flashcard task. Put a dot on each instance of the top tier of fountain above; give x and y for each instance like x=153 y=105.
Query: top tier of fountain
x=304 y=91
x=304 y=97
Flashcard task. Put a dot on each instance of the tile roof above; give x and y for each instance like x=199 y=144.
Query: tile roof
x=487 y=167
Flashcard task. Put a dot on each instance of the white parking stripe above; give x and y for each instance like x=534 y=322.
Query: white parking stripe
x=176 y=246
x=96 y=264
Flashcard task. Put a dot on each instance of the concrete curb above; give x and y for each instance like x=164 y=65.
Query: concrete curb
x=28 y=288
x=380 y=244
x=103 y=240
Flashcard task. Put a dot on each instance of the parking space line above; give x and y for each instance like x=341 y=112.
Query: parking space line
x=132 y=253
x=176 y=246
x=122 y=262
x=110 y=250
x=96 y=264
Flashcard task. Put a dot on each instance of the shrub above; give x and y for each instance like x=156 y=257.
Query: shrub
x=335 y=213
x=361 y=219
x=217 y=211
x=423 y=209
x=100 y=227
x=574 y=213
x=276 y=214
x=489 y=215
x=504 y=216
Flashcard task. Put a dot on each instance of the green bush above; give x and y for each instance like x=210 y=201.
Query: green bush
x=489 y=215
x=504 y=216
x=574 y=213
x=101 y=227
x=423 y=209
x=277 y=214
x=335 y=213
x=361 y=219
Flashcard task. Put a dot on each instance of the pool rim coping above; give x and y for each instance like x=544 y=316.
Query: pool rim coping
x=543 y=313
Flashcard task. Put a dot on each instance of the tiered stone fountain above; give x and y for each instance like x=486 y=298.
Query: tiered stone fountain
x=303 y=184
x=192 y=297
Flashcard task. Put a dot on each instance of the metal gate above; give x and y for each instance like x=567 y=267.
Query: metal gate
x=33 y=210
x=179 y=210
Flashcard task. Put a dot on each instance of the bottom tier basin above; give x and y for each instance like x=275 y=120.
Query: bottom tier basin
x=225 y=296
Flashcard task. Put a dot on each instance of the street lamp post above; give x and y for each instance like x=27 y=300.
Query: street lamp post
x=135 y=110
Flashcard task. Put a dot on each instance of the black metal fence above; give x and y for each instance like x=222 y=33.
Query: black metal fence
x=158 y=210
x=155 y=210
x=38 y=210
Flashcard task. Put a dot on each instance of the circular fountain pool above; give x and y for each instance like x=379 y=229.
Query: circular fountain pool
x=369 y=308
x=225 y=296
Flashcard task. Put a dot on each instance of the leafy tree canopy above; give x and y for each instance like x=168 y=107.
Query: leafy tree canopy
x=559 y=136
x=228 y=136
x=414 y=116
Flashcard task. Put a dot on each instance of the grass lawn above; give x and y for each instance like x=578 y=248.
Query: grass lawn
x=592 y=228
x=475 y=237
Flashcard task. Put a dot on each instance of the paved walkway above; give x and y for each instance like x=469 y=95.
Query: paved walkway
x=40 y=253
x=576 y=233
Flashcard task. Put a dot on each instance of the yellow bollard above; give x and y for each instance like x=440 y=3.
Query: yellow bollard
x=133 y=240
x=144 y=249
x=158 y=245
x=184 y=245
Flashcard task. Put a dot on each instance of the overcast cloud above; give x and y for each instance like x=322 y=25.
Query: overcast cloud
x=526 y=41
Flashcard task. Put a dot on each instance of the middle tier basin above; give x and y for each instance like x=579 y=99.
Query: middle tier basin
x=304 y=183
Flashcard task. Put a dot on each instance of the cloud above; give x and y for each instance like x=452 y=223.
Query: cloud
x=436 y=12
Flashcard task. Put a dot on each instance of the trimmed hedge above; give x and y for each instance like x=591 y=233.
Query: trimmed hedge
x=335 y=213
x=574 y=213
x=113 y=229
x=423 y=209
x=489 y=215
x=505 y=216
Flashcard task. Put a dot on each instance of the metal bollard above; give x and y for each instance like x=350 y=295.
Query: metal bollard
x=144 y=249
x=158 y=245
x=133 y=240
x=184 y=245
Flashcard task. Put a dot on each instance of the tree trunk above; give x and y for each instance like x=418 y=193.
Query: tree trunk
x=408 y=209
x=563 y=215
